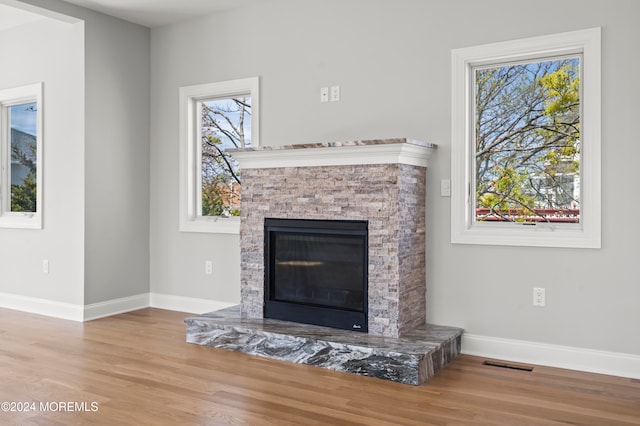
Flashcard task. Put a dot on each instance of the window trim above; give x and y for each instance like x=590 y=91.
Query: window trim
x=9 y=97
x=189 y=96
x=464 y=230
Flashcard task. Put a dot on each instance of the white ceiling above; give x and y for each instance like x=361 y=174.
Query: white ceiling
x=12 y=17
x=155 y=13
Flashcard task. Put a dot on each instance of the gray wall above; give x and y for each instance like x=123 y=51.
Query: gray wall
x=104 y=241
x=52 y=52
x=117 y=159
x=392 y=60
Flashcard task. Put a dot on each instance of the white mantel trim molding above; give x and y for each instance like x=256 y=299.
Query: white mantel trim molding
x=396 y=153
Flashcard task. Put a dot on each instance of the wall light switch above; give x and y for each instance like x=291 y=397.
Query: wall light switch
x=324 y=94
x=208 y=267
x=45 y=266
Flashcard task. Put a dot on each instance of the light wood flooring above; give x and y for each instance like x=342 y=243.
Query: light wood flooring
x=136 y=369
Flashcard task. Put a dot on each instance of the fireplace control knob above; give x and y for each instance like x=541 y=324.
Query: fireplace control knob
x=356 y=326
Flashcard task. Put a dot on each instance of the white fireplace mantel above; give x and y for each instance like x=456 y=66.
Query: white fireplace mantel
x=378 y=151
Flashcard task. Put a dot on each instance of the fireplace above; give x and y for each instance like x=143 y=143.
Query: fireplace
x=380 y=182
x=316 y=272
x=334 y=230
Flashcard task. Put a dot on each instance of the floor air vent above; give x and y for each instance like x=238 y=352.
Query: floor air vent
x=509 y=366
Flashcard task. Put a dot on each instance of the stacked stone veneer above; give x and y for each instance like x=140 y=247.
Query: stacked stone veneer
x=390 y=196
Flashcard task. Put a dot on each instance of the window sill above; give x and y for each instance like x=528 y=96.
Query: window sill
x=565 y=236
x=21 y=221
x=212 y=225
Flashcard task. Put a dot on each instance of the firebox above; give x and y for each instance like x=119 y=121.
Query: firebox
x=316 y=272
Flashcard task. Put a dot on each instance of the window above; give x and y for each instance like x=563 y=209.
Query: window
x=21 y=157
x=526 y=142
x=214 y=118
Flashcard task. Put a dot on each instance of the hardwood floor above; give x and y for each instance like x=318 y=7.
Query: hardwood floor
x=136 y=369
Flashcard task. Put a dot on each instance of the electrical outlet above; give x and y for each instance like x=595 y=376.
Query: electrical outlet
x=208 y=267
x=445 y=188
x=538 y=297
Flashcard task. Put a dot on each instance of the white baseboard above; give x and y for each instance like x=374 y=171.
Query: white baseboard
x=34 y=305
x=602 y=362
x=115 y=306
x=186 y=304
x=70 y=311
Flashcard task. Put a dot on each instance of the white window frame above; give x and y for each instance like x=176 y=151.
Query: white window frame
x=464 y=228
x=9 y=97
x=190 y=149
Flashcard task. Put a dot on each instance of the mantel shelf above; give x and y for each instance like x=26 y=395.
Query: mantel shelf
x=359 y=152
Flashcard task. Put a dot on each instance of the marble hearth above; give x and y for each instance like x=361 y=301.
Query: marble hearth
x=379 y=181
x=411 y=359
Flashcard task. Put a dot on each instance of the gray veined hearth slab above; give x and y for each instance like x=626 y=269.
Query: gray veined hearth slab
x=411 y=359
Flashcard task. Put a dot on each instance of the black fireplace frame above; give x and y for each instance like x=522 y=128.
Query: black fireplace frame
x=342 y=318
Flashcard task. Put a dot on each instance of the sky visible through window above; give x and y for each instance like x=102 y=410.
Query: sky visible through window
x=23 y=117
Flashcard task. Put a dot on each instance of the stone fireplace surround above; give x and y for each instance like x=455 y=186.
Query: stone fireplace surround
x=381 y=181
x=390 y=196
